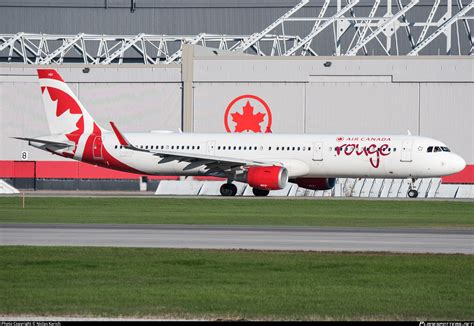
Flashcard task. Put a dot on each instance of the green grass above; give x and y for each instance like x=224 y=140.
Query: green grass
x=363 y=213
x=234 y=284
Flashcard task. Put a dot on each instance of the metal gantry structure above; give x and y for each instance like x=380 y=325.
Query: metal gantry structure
x=389 y=28
x=107 y=49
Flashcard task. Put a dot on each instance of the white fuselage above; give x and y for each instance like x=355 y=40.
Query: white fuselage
x=304 y=155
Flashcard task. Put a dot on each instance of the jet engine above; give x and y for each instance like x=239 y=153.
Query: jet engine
x=315 y=183
x=264 y=177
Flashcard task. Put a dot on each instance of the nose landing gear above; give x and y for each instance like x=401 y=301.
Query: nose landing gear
x=412 y=192
x=228 y=189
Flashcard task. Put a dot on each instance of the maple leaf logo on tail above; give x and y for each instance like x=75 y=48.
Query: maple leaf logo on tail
x=64 y=116
x=65 y=113
x=248 y=113
x=248 y=121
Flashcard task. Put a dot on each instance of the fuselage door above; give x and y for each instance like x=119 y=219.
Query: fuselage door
x=211 y=147
x=406 y=150
x=317 y=151
x=97 y=148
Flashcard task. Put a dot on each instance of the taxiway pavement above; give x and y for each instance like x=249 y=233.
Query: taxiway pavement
x=406 y=240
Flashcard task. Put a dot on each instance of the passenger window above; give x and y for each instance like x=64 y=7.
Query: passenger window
x=269 y=148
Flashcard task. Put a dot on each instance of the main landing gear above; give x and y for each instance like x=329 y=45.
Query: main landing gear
x=228 y=189
x=412 y=192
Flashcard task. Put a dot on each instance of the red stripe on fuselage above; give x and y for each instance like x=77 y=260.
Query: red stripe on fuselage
x=107 y=160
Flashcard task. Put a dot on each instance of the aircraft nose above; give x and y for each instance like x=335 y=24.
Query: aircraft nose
x=457 y=163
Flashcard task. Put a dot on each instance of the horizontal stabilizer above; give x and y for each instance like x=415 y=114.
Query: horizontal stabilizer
x=46 y=142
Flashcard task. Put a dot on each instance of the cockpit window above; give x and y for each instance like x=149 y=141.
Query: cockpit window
x=437 y=149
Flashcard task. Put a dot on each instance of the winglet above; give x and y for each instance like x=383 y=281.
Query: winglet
x=121 y=138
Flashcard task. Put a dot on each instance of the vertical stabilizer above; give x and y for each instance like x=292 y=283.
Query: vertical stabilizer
x=65 y=113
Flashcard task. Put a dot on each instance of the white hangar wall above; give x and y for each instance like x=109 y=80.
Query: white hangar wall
x=431 y=96
x=135 y=97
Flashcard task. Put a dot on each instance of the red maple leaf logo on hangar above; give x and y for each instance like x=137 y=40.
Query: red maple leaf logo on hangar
x=248 y=121
x=248 y=113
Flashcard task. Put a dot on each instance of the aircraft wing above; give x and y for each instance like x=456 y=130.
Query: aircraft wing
x=213 y=163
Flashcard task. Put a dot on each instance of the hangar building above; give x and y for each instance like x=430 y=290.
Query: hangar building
x=322 y=66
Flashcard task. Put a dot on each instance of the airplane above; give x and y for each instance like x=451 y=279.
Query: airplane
x=265 y=161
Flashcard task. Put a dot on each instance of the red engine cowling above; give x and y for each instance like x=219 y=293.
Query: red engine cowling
x=265 y=177
x=315 y=183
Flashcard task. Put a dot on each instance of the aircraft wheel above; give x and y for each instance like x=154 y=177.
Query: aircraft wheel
x=412 y=193
x=260 y=192
x=228 y=189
